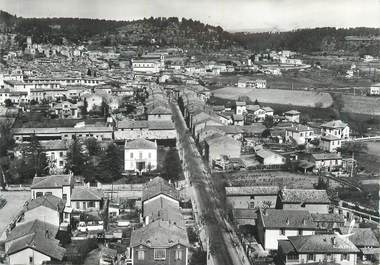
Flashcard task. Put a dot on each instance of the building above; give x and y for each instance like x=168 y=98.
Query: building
x=160 y=201
x=250 y=197
x=159 y=242
x=269 y=158
x=87 y=199
x=238 y=119
x=140 y=155
x=152 y=130
x=326 y=161
x=219 y=146
x=365 y=240
x=301 y=134
x=240 y=107
x=94 y=101
x=48 y=209
x=336 y=128
x=374 y=90
x=67 y=110
x=292 y=116
x=327 y=248
x=330 y=143
x=314 y=201
x=56 y=154
x=148 y=65
x=58 y=185
x=328 y=221
x=33 y=243
x=159 y=113
x=274 y=225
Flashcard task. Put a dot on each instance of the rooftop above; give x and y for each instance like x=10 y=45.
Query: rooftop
x=49 y=201
x=326 y=156
x=86 y=194
x=52 y=181
x=140 y=143
x=362 y=237
x=252 y=190
x=304 y=196
x=158 y=186
x=291 y=219
x=336 y=124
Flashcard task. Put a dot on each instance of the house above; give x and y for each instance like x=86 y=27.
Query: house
x=94 y=101
x=328 y=221
x=48 y=209
x=326 y=248
x=374 y=90
x=336 y=128
x=269 y=158
x=314 y=201
x=140 y=155
x=159 y=242
x=56 y=154
x=249 y=197
x=292 y=116
x=225 y=118
x=238 y=119
x=240 y=107
x=87 y=199
x=326 y=161
x=147 y=65
x=255 y=113
x=159 y=113
x=67 y=110
x=274 y=225
x=219 y=146
x=58 y=185
x=330 y=143
x=365 y=240
x=33 y=243
x=301 y=134
x=160 y=200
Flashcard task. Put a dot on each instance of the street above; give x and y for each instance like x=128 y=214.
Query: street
x=219 y=236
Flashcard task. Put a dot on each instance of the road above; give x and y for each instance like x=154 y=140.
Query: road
x=216 y=234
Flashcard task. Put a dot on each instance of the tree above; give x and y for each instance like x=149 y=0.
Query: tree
x=35 y=158
x=92 y=146
x=172 y=169
x=75 y=157
x=84 y=107
x=268 y=121
x=111 y=164
x=6 y=138
x=8 y=103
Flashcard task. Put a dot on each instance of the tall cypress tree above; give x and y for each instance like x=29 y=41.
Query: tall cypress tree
x=75 y=157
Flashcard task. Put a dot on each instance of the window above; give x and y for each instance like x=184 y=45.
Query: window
x=140 y=155
x=64 y=197
x=282 y=231
x=159 y=254
x=300 y=232
x=60 y=154
x=292 y=256
x=31 y=260
x=328 y=257
x=84 y=205
x=251 y=204
x=131 y=155
x=178 y=254
x=344 y=257
x=78 y=205
x=311 y=257
x=48 y=193
x=91 y=204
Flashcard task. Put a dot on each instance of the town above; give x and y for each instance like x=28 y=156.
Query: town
x=143 y=152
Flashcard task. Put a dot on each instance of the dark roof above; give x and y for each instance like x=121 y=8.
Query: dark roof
x=33 y=227
x=52 y=181
x=245 y=214
x=86 y=194
x=159 y=234
x=140 y=143
x=327 y=243
x=304 y=196
x=252 y=190
x=158 y=186
x=362 y=237
x=49 y=201
x=292 y=219
x=327 y=156
x=160 y=125
x=334 y=124
x=159 y=110
x=327 y=217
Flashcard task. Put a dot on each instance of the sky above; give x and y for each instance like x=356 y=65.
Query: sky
x=232 y=15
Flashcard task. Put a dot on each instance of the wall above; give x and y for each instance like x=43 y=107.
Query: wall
x=312 y=208
x=243 y=201
x=170 y=257
x=43 y=214
x=86 y=207
x=22 y=257
x=128 y=134
x=130 y=162
x=273 y=235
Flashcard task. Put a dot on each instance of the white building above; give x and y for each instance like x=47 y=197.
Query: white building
x=374 y=90
x=330 y=143
x=292 y=116
x=336 y=128
x=301 y=134
x=140 y=155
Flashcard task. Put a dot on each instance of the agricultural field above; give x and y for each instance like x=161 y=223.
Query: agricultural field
x=278 y=96
x=361 y=104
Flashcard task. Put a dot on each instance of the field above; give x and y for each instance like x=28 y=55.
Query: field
x=15 y=202
x=278 y=96
x=361 y=104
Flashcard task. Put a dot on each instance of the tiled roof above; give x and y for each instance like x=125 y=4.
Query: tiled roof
x=159 y=234
x=159 y=110
x=265 y=153
x=362 y=237
x=86 y=194
x=36 y=226
x=291 y=219
x=327 y=217
x=158 y=186
x=132 y=124
x=292 y=112
x=140 y=143
x=53 y=181
x=244 y=214
x=252 y=190
x=299 y=128
x=160 y=125
x=238 y=117
x=240 y=103
x=49 y=201
x=334 y=124
x=327 y=156
x=322 y=244
x=304 y=196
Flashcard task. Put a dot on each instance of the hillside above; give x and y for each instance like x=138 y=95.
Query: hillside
x=329 y=40
x=184 y=33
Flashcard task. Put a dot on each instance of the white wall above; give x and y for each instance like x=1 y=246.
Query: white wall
x=130 y=162
x=23 y=256
x=273 y=235
x=43 y=214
